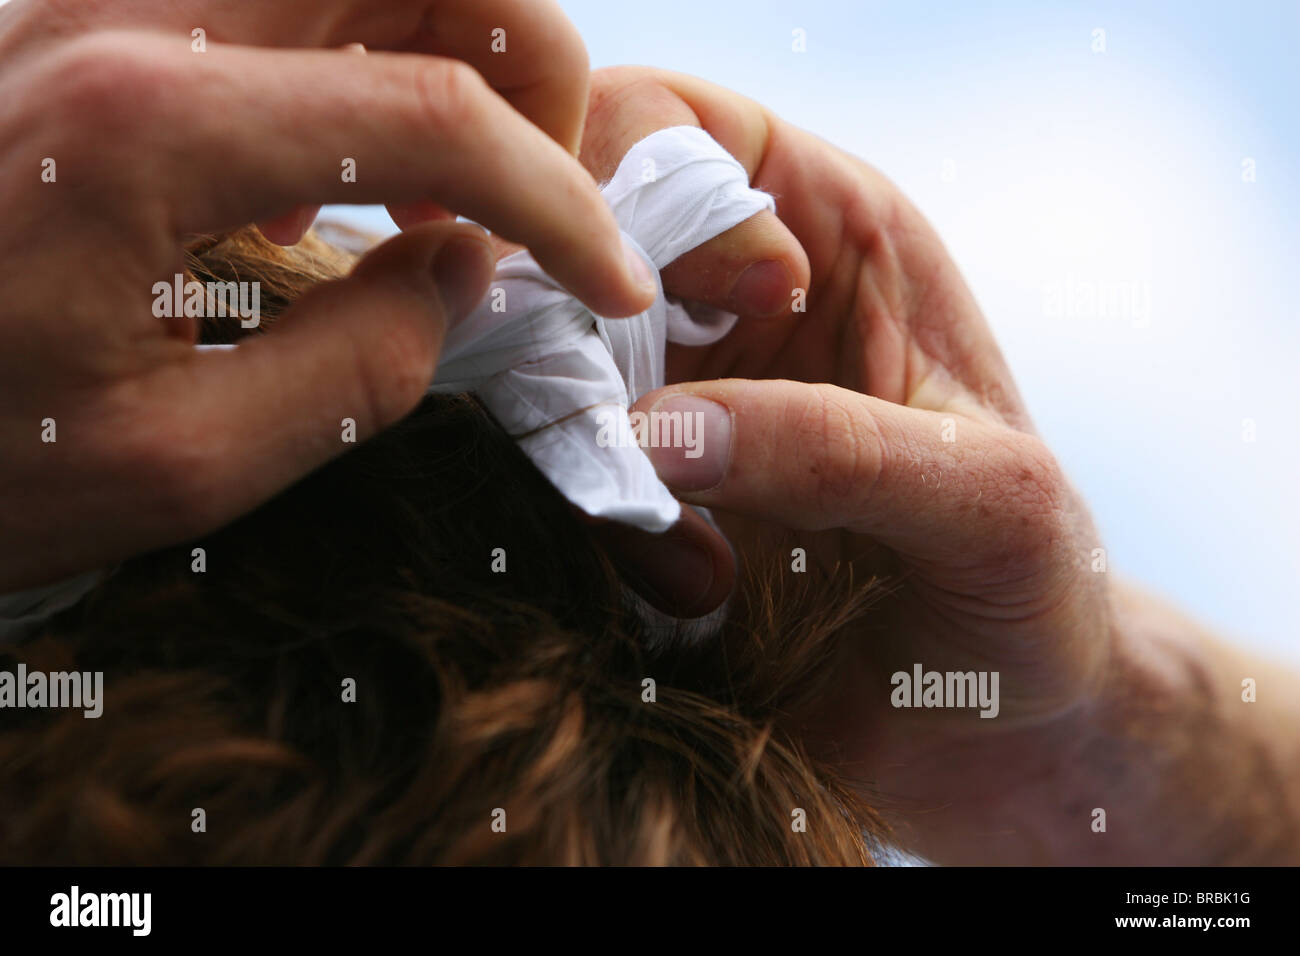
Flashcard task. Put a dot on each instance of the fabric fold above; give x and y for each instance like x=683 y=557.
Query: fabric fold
x=559 y=378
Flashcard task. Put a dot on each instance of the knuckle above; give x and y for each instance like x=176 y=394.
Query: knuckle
x=1037 y=506
x=620 y=101
x=842 y=448
x=611 y=79
x=449 y=95
x=72 y=12
x=391 y=348
x=172 y=471
x=112 y=83
x=395 y=365
x=629 y=98
x=568 y=51
x=1040 y=482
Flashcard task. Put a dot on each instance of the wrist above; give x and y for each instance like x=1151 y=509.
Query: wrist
x=1185 y=770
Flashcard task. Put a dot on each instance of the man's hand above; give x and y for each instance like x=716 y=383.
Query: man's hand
x=878 y=421
x=908 y=410
x=127 y=126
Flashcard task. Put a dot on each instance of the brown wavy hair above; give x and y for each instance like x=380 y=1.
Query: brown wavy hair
x=516 y=697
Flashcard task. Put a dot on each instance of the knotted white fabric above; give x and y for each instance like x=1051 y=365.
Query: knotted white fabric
x=560 y=378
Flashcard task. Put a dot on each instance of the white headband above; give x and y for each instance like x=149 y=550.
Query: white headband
x=562 y=377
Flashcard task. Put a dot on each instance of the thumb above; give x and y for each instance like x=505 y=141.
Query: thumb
x=933 y=486
x=686 y=571
x=360 y=350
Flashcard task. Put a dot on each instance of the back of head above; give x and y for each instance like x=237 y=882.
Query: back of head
x=419 y=654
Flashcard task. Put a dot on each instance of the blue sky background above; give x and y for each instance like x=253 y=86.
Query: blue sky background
x=1047 y=166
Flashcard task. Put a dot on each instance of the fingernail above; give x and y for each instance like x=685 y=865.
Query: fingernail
x=689 y=442
x=462 y=268
x=638 y=267
x=678 y=572
x=762 y=289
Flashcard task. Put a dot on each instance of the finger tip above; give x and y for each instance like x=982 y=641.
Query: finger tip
x=279 y=234
x=629 y=300
x=764 y=289
x=687 y=571
x=409 y=215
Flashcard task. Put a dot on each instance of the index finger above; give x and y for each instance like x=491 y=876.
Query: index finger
x=945 y=489
x=418 y=128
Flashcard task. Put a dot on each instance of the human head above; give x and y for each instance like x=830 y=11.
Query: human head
x=419 y=654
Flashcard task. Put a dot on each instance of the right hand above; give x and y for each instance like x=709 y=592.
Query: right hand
x=882 y=426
